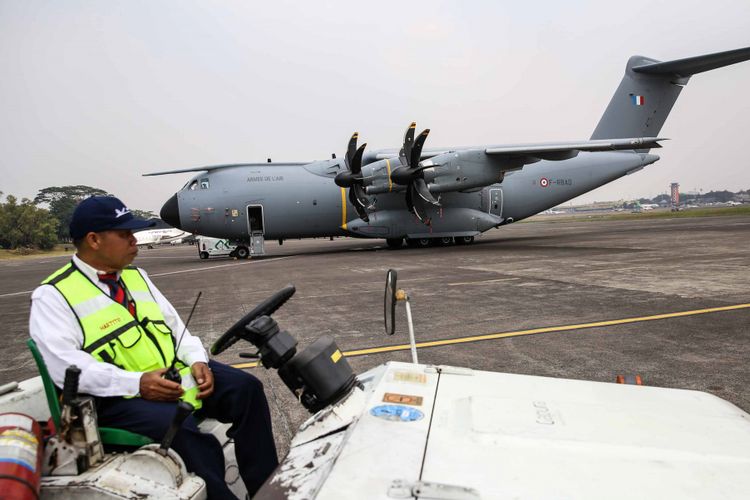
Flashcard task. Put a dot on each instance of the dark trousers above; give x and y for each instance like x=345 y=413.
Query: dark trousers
x=238 y=398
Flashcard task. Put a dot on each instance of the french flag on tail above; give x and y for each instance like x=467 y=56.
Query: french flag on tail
x=638 y=100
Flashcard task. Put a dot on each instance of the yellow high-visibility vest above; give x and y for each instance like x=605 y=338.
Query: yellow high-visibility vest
x=111 y=334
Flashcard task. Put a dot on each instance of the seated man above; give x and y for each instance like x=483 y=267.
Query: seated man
x=108 y=318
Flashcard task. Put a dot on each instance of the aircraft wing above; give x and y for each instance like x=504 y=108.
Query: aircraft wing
x=538 y=151
x=228 y=165
x=564 y=150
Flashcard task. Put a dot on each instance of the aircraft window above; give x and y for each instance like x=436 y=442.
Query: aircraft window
x=204 y=183
x=193 y=185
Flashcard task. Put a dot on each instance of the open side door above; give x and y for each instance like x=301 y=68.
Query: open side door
x=256 y=229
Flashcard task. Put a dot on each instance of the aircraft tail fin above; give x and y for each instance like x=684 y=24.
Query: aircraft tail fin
x=650 y=88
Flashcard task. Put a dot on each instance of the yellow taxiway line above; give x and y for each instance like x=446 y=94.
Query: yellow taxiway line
x=534 y=331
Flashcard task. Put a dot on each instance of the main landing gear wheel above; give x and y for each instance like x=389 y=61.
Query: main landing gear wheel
x=203 y=255
x=445 y=241
x=465 y=240
x=419 y=242
x=242 y=252
x=394 y=242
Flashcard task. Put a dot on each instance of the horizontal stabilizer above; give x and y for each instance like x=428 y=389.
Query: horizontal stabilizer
x=693 y=65
x=229 y=165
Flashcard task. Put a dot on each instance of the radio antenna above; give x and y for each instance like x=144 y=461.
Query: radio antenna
x=171 y=373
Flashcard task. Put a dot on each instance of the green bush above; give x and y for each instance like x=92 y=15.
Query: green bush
x=26 y=225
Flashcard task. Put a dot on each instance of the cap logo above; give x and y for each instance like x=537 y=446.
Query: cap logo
x=120 y=212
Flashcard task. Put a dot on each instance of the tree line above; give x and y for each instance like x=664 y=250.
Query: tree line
x=43 y=222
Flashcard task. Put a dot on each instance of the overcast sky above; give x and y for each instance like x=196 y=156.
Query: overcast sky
x=99 y=92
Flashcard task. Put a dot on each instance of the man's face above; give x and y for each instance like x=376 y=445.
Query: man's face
x=115 y=248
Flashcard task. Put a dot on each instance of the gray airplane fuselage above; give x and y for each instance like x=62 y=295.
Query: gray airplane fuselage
x=302 y=201
x=418 y=194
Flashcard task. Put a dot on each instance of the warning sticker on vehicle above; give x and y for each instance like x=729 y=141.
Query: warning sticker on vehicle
x=414 y=378
x=404 y=399
x=397 y=413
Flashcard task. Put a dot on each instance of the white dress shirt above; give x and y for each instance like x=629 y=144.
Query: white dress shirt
x=55 y=329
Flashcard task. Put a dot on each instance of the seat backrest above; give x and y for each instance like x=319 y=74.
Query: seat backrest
x=49 y=387
x=109 y=436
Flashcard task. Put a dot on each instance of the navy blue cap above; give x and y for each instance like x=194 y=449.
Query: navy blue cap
x=102 y=213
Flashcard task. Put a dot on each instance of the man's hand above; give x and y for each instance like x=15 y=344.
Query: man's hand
x=155 y=388
x=204 y=378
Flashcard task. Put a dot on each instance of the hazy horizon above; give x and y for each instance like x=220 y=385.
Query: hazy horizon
x=98 y=93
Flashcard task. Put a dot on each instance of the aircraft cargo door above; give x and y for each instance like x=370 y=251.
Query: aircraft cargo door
x=256 y=229
x=495 y=201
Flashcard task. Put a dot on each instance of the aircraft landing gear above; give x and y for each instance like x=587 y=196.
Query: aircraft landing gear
x=445 y=241
x=242 y=252
x=465 y=240
x=419 y=242
x=394 y=242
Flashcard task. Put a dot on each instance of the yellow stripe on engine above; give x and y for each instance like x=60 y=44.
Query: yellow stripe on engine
x=343 y=208
x=388 y=166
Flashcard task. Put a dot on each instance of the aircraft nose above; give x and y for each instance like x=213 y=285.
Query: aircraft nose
x=170 y=212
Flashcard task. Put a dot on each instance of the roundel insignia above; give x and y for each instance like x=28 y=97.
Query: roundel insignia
x=544 y=182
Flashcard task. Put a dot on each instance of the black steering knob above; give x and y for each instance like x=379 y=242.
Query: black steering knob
x=260 y=328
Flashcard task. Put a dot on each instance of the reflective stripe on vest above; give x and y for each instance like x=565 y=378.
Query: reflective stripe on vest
x=110 y=333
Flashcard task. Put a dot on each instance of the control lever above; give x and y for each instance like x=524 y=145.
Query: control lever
x=69 y=395
x=249 y=355
x=183 y=410
x=70 y=385
x=79 y=446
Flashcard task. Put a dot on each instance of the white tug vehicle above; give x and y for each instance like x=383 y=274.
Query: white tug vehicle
x=402 y=430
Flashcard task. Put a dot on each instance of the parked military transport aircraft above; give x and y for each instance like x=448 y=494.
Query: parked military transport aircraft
x=426 y=195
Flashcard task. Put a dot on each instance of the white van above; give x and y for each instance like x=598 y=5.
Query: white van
x=214 y=247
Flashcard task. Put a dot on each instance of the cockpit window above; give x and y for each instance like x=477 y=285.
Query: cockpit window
x=193 y=185
x=204 y=183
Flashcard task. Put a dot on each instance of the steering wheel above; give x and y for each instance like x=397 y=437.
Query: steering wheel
x=265 y=308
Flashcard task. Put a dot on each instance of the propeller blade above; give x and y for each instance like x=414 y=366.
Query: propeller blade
x=416 y=151
x=360 y=201
x=356 y=161
x=358 y=197
x=410 y=201
x=405 y=153
x=420 y=186
x=416 y=208
x=350 y=149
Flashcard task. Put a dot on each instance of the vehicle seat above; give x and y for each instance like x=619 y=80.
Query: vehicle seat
x=109 y=436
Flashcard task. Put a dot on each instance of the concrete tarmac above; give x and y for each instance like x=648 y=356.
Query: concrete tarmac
x=520 y=277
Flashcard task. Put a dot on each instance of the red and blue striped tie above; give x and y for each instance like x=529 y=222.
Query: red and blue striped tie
x=116 y=291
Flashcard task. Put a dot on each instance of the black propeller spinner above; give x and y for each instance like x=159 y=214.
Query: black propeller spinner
x=352 y=177
x=411 y=174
